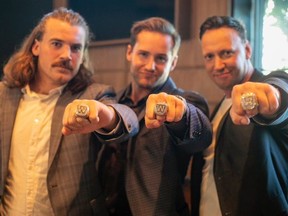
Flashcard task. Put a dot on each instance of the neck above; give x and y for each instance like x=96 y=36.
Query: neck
x=40 y=87
x=247 y=77
x=137 y=93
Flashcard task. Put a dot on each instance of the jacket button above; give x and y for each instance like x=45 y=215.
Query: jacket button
x=196 y=133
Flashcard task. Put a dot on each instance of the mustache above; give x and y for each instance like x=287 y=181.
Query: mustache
x=64 y=64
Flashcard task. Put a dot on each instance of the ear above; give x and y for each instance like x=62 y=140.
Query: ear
x=174 y=62
x=129 y=52
x=36 y=47
x=248 y=50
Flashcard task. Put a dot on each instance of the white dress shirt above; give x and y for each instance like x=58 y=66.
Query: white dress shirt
x=26 y=186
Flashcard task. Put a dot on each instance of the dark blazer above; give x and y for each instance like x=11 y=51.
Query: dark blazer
x=72 y=180
x=251 y=162
x=157 y=159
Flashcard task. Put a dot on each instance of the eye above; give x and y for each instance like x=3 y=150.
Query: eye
x=56 y=44
x=208 y=57
x=226 y=54
x=76 y=48
x=143 y=54
x=161 y=59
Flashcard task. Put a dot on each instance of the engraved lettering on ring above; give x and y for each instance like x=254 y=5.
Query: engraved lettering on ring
x=82 y=111
x=249 y=101
x=160 y=109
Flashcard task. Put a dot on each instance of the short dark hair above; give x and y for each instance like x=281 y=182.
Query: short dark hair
x=215 y=22
x=156 y=24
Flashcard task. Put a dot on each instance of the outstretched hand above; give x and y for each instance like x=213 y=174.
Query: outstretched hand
x=157 y=113
x=267 y=97
x=98 y=116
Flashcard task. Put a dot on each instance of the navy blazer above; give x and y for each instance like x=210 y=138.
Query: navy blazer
x=251 y=162
x=157 y=158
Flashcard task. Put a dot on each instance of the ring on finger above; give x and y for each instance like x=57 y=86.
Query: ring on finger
x=82 y=111
x=161 y=109
x=249 y=101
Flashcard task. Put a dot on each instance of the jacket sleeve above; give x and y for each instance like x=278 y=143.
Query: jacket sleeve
x=128 y=124
x=278 y=79
x=193 y=133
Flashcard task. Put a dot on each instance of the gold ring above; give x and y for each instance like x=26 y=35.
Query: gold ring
x=249 y=101
x=82 y=111
x=161 y=109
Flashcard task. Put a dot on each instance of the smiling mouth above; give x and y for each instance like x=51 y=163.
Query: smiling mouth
x=221 y=74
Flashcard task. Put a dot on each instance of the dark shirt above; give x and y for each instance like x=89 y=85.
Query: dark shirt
x=115 y=166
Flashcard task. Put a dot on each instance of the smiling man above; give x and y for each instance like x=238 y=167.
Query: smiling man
x=244 y=170
x=152 y=165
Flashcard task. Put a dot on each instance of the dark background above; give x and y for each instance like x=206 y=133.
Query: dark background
x=112 y=19
x=17 y=19
x=108 y=19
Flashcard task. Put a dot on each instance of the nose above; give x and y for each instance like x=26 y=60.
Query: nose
x=66 y=53
x=150 y=64
x=218 y=63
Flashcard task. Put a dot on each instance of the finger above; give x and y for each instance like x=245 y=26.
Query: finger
x=180 y=108
x=161 y=118
x=82 y=121
x=239 y=119
x=236 y=97
x=273 y=100
x=171 y=103
x=66 y=130
x=69 y=118
x=150 y=106
x=94 y=107
x=152 y=123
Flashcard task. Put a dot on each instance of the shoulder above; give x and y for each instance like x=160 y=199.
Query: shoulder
x=99 y=91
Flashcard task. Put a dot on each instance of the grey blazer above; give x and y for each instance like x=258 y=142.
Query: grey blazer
x=72 y=179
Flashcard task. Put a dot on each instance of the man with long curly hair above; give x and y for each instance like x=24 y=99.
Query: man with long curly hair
x=44 y=172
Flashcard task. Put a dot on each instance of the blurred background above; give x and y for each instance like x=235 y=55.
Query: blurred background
x=110 y=22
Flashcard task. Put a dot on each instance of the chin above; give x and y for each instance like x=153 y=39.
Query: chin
x=65 y=79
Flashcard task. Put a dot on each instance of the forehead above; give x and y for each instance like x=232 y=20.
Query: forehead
x=222 y=37
x=154 y=41
x=57 y=29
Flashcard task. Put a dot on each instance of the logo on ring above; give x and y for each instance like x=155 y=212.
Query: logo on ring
x=82 y=111
x=160 y=109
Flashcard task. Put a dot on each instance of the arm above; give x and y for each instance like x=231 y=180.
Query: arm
x=272 y=97
x=106 y=119
x=188 y=126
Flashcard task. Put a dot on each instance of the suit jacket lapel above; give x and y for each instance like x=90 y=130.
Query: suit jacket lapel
x=56 y=126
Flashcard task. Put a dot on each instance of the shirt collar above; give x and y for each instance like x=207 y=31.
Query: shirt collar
x=28 y=91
